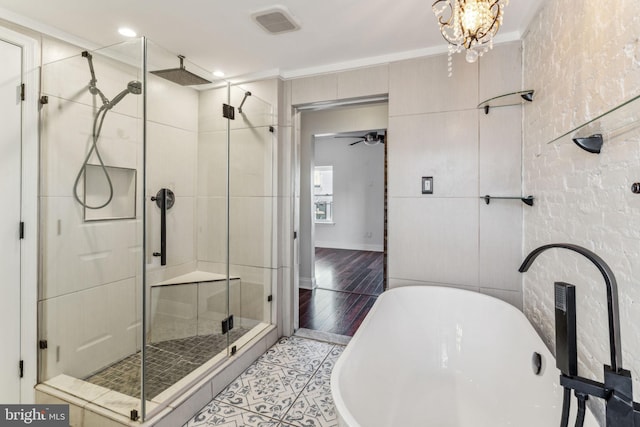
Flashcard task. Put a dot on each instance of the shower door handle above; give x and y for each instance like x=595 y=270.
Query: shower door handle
x=164 y=200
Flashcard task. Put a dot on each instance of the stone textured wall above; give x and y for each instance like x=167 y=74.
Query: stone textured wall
x=583 y=59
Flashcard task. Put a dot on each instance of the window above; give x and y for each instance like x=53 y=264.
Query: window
x=323 y=194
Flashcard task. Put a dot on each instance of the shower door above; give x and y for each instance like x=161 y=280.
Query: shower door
x=91 y=159
x=252 y=205
x=187 y=297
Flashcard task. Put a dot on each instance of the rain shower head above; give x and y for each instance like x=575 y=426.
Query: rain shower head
x=181 y=75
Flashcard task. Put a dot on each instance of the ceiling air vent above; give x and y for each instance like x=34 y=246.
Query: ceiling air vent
x=275 y=20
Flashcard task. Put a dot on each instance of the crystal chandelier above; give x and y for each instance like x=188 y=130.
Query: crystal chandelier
x=469 y=24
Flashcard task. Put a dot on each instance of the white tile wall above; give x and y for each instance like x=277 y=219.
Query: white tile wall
x=442 y=145
x=363 y=82
x=314 y=89
x=55 y=50
x=285 y=116
x=79 y=256
x=212 y=164
x=171 y=104
x=500 y=71
x=421 y=86
x=501 y=151
x=435 y=129
x=89 y=329
x=171 y=159
x=434 y=240
x=210 y=110
x=252 y=158
x=284 y=150
x=212 y=226
x=500 y=251
x=67 y=137
x=68 y=78
x=251 y=231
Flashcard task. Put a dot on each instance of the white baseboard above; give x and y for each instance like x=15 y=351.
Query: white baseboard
x=307 y=283
x=351 y=246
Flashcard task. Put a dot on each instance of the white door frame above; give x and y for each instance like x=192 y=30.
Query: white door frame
x=30 y=177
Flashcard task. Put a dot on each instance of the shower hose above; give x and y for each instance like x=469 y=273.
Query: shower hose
x=97 y=128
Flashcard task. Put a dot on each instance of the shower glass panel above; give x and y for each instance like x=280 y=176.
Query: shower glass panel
x=252 y=199
x=91 y=156
x=187 y=302
x=156 y=217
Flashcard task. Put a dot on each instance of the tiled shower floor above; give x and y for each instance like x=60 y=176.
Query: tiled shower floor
x=287 y=386
x=167 y=362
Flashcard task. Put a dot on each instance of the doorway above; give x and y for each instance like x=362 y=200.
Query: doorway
x=348 y=284
x=342 y=251
x=10 y=226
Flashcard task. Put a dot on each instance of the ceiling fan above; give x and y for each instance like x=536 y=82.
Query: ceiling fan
x=371 y=138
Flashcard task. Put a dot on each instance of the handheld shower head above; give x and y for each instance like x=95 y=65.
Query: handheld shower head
x=134 y=87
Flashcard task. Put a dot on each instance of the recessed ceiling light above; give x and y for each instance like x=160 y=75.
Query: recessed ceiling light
x=127 y=32
x=218 y=73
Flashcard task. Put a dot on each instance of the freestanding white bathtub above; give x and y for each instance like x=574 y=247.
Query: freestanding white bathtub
x=442 y=357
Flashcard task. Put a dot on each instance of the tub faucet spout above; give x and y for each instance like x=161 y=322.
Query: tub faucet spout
x=621 y=410
x=612 y=293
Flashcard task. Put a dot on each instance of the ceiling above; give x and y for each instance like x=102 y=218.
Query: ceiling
x=220 y=35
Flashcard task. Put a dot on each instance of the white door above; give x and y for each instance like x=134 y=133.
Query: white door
x=10 y=182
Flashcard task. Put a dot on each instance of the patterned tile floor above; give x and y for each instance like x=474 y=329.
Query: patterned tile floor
x=167 y=362
x=287 y=386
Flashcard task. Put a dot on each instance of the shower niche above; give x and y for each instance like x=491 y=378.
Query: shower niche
x=118 y=329
x=96 y=189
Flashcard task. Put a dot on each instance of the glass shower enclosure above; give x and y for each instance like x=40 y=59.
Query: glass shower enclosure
x=156 y=211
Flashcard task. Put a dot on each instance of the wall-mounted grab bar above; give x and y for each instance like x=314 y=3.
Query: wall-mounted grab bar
x=526 y=200
x=164 y=200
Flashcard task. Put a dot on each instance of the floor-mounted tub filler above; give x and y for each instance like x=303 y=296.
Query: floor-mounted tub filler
x=433 y=356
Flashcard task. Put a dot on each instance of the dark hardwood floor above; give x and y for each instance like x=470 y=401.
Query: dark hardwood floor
x=348 y=284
